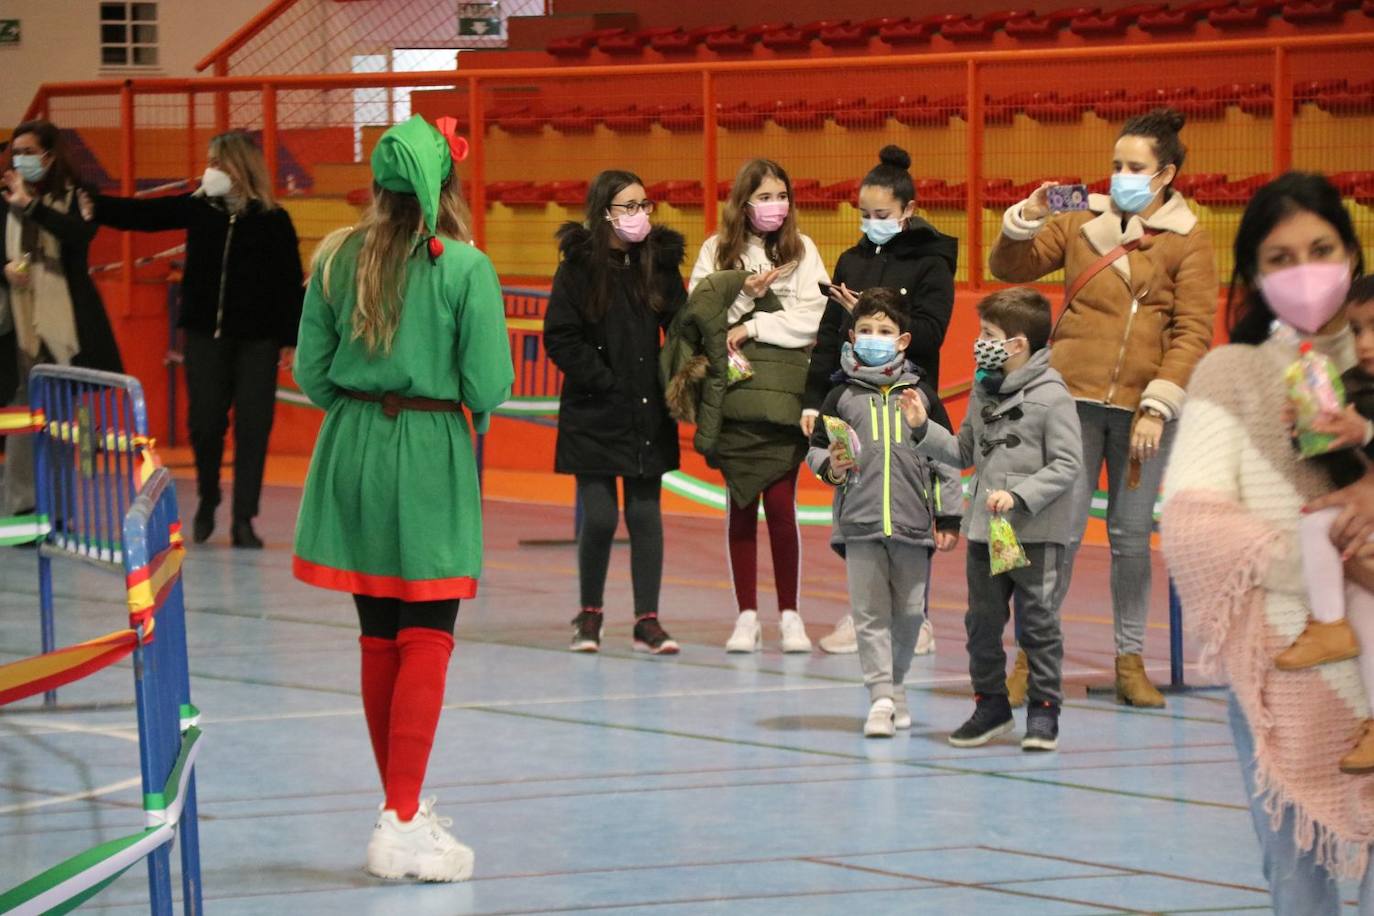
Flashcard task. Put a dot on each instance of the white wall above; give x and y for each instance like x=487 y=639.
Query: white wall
x=61 y=43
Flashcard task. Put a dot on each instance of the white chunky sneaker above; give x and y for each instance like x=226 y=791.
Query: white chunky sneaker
x=421 y=848
x=842 y=640
x=748 y=635
x=925 y=640
x=794 y=638
x=902 y=712
x=880 y=722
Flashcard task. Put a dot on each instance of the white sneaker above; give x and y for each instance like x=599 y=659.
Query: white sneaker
x=902 y=712
x=748 y=635
x=925 y=640
x=420 y=848
x=880 y=722
x=842 y=640
x=794 y=638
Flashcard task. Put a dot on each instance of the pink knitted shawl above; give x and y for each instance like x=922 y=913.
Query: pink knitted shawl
x=1219 y=554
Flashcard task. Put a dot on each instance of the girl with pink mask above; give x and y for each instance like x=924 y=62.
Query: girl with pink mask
x=774 y=317
x=617 y=287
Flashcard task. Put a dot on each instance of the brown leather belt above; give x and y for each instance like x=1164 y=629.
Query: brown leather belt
x=393 y=403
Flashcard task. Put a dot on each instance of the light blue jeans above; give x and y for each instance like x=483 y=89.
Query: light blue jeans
x=1297 y=884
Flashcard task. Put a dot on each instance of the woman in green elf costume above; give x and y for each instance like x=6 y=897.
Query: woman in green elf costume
x=404 y=323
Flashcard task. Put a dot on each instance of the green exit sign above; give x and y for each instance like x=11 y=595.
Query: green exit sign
x=476 y=26
x=9 y=31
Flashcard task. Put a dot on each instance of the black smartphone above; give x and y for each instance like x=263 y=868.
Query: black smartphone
x=825 y=289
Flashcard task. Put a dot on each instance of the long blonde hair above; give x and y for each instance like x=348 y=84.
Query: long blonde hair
x=782 y=245
x=391 y=235
x=240 y=157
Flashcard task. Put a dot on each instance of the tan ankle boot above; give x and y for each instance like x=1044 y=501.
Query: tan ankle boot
x=1319 y=644
x=1361 y=758
x=1133 y=687
x=1018 y=682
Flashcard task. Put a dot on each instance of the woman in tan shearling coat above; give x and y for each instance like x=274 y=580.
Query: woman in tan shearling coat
x=1141 y=285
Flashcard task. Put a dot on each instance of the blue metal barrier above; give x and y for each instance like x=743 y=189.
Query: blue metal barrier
x=167 y=720
x=85 y=460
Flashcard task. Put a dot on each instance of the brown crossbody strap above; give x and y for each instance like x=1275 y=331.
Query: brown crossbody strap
x=1095 y=268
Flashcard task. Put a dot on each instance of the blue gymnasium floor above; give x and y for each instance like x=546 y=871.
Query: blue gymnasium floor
x=621 y=783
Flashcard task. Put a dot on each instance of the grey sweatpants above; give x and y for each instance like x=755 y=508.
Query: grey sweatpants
x=1039 y=588
x=1130 y=513
x=887 y=591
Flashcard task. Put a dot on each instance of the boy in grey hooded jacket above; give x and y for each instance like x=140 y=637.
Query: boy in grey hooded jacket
x=1021 y=435
x=891 y=505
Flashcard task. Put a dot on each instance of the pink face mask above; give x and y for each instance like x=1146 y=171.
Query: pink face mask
x=1307 y=296
x=632 y=227
x=769 y=215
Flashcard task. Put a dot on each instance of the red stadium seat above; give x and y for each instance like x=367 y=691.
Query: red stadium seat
x=684 y=118
x=723 y=188
x=629 y=120
x=1180 y=19
x=908 y=32
x=787 y=39
x=846 y=191
x=575 y=120
x=846 y=35
x=968 y=29
x=518 y=119
x=741 y=116
x=945 y=197
x=1048 y=108
x=1245 y=14
x=1047 y=26
x=568 y=193
x=680 y=42
x=875 y=113
x=1353 y=100
x=797 y=115
x=497 y=190
x=807 y=192
x=532 y=196
x=1312 y=12
x=579 y=45
x=676 y=193
x=731 y=41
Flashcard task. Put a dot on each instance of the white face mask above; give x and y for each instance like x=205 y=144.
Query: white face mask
x=216 y=183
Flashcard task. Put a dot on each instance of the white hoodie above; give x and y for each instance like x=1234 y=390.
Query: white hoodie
x=798 y=290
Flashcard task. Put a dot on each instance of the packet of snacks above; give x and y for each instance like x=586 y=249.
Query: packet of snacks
x=1315 y=388
x=1004 y=550
x=738 y=368
x=842 y=434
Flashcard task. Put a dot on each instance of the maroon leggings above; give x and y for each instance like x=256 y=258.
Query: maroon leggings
x=780 y=509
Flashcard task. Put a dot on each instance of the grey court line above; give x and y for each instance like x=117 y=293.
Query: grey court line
x=842 y=755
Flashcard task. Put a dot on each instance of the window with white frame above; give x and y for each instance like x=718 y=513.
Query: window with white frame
x=128 y=34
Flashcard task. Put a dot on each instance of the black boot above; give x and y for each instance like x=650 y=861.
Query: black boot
x=204 y=523
x=244 y=536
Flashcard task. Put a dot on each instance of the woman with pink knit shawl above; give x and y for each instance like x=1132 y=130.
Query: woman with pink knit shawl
x=1234 y=494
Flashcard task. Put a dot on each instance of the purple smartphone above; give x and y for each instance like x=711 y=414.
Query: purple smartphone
x=1068 y=197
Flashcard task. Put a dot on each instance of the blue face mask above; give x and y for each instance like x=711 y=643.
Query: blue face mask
x=873 y=350
x=30 y=166
x=881 y=231
x=1131 y=193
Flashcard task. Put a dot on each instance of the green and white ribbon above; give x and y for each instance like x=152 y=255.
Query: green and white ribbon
x=65 y=887
x=23 y=529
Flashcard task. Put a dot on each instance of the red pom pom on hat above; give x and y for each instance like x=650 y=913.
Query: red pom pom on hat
x=436 y=247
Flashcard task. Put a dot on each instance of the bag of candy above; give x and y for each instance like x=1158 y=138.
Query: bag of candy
x=842 y=434
x=1314 y=388
x=738 y=368
x=1004 y=550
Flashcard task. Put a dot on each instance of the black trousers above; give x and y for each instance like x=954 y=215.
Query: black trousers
x=600 y=517
x=383 y=618
x=227 y=373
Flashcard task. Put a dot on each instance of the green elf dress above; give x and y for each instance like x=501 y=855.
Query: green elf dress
x=392 y=507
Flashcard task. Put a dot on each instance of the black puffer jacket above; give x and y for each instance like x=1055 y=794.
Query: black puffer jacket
x=919 y=263
x=259 y=276
x=612 y=419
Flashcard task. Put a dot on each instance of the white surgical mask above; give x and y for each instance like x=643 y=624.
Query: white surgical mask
x=216 y=183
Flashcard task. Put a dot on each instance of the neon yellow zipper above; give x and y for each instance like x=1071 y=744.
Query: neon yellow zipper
x=887 y=472
x=873 y=414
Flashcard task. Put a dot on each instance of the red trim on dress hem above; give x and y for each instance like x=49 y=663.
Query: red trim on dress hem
x=345 y=580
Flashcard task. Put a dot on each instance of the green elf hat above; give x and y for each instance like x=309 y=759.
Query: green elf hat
x=414 y=157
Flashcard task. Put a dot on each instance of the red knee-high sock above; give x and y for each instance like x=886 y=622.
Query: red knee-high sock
x=742 y=549
x=381 y=660
x=415 y=707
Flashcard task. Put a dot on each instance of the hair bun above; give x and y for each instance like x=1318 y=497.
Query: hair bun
x=1169 y=118
x=895 y=156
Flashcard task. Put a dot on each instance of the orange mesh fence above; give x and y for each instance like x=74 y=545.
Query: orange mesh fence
x=982 y=129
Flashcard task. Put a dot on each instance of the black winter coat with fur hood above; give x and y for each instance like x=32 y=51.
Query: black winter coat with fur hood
x=612 y=419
